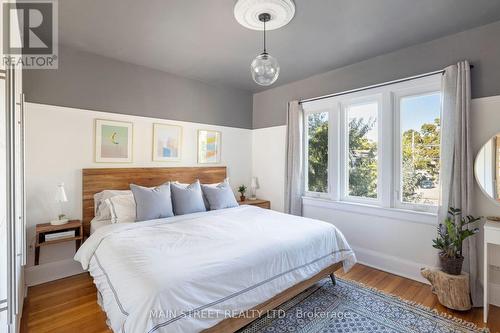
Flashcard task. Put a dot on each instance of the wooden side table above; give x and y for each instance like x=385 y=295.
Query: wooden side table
x=257 y=202
x=491 y=236
x=47 y=228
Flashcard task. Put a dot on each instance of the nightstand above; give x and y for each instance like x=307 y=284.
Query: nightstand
x=257 y=202
x=491 y=236
x=47 y=229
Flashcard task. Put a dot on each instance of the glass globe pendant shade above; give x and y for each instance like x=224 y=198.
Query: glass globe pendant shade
x=265 y=69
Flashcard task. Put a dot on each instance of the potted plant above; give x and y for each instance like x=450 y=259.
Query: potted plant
x=242 y=189
x=451 y=234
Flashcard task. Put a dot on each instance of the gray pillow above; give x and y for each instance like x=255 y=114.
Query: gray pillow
x=152 y=203
x=187 y=199
x=205 y=200
x=220 y=196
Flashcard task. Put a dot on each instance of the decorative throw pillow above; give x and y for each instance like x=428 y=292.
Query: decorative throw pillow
x=187 y=199
x=152 y=203
x=220 y=196
x=205 y=200
x=122 y=208
x=101 y=210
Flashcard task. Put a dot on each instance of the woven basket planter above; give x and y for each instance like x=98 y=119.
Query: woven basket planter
x=451 y=266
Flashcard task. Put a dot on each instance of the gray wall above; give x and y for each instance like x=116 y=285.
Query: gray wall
x=481 y=46
x=89 y=81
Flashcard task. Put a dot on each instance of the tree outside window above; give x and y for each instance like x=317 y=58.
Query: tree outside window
x=317 y=173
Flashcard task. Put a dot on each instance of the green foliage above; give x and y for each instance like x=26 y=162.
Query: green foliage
x=410 y=182
x=421 y=150
x=420 y=159
x=318 y=152
x=362 y=156
x=242 y=189
x=453 y=231
x=362 y=159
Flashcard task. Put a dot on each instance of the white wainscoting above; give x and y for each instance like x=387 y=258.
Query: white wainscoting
x=268 y=164
x=394 y=245
x=60 y=142
x=391 y=264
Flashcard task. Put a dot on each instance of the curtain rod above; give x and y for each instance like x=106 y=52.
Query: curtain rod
x=373 y=86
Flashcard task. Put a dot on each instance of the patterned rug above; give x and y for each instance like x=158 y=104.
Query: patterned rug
x=351 y=307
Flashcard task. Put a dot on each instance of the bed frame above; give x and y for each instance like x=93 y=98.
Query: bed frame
x=97 y=180
x=231 y=325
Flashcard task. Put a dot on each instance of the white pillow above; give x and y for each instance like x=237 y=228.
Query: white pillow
x=101 y=210
x=122 y=208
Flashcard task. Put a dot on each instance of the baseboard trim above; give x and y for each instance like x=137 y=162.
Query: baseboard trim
x=51 y=271
x=391 y=264
x=407 y=269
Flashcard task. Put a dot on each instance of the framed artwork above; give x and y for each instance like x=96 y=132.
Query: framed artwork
x=167 y=142
x=209 y=146
x=113 y=141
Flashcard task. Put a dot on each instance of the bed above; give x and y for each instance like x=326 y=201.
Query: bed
x=213 y=271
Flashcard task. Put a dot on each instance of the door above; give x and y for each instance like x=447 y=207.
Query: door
x=4 y=320
x=12 y=226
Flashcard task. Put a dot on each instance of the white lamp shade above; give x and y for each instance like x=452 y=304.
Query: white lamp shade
x=254 y=183
x=61 y=193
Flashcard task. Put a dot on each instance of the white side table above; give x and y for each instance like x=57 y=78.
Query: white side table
x=491 y=236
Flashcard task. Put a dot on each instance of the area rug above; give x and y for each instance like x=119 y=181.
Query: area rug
x=350 y=307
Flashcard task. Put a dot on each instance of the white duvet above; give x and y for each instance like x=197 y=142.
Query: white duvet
x=187 y=273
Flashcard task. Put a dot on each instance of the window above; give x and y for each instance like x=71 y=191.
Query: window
x=317 y=152
x=362 y=145
x=419 y=148
x=378 y=146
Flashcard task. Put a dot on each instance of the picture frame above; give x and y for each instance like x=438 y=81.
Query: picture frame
x=113 y=141
x=167 y=142
x=209 y=146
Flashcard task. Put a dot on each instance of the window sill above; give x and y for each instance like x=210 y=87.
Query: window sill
x=370 y=210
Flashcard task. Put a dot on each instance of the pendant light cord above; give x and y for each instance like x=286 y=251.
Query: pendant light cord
x=265 y=37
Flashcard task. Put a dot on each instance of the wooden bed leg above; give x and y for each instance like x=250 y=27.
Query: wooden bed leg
x=332 y=276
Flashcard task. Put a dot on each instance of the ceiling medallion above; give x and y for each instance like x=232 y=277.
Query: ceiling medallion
x=264 y=15
x=247 y=13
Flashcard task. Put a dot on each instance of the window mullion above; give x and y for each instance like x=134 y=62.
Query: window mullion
x=396 y=191
x=386 y=155
x=334 y=151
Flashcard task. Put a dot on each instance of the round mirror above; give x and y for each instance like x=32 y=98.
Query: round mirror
x=487 y=168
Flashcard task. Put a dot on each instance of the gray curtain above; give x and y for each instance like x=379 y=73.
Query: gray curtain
x=457 y=161
x=294 y=181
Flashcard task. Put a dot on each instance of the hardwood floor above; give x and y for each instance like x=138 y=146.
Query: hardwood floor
x=69 y=305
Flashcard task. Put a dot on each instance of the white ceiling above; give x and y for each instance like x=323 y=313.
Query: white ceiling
x=200 y=39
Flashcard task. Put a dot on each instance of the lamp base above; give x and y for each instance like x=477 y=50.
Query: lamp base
x=59 y=222
x=252 y=198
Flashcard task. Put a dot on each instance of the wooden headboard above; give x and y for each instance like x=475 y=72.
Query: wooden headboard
x=97 y=180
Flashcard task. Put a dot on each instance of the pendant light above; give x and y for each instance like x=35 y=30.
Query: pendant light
x=264 y=15
x=265 y=68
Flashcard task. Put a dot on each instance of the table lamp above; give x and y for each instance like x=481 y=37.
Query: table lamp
x=60 y=198
x=254 y=185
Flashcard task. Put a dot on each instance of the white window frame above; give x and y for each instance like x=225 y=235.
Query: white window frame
x=344 y=158
x=388 y=151
x=325 y=195
x=417 y=90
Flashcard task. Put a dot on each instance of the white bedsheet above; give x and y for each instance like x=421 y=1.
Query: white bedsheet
x=96 y=224
x=187 y=273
